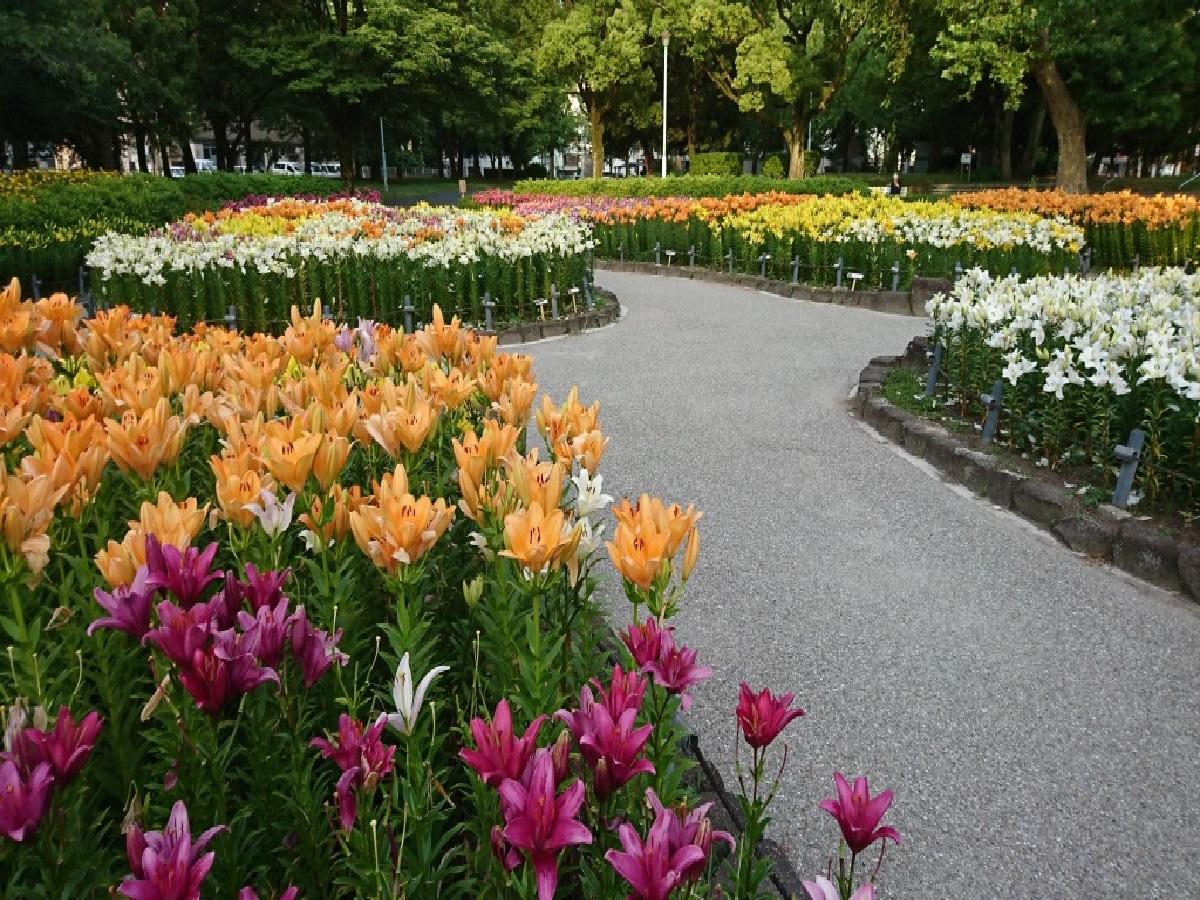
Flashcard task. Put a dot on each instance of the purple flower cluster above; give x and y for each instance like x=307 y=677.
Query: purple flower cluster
x=221 y=648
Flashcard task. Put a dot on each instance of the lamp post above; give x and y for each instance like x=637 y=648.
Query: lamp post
x=666 y=39
x=383 y=154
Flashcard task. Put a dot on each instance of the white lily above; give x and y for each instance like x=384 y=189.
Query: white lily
x=275 y=517
x=589 y=497
x=408 y=702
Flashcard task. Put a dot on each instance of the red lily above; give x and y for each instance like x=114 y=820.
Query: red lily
x=498 y=754
x=762 y=716
x=858 y=814
x=675 y=671
x=541 y=822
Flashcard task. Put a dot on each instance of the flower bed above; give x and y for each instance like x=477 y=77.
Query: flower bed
x=870 y=235
x=1084 y=360
x=360 y=258
x=48 y=220
x=337 y=603
x=1121 y=227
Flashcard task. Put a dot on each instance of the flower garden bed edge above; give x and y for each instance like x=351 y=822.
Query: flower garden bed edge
x=1104 y=532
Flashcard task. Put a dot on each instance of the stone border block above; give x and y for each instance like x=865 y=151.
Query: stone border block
x=1105 y=532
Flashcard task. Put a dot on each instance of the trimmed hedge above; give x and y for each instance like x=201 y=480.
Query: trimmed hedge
x=47 y=230
x=689 y=186
x=716 y=164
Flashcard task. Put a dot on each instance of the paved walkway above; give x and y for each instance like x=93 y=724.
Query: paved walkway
x=1037 y=715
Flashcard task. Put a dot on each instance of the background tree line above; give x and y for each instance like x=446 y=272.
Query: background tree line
x=1035 y=89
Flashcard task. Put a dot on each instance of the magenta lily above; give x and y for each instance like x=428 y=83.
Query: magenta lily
x=23 y=799
x=223 y=670
x=689 y=827
x=68 y=745
x=181 y=632
x=675 y=671
x=498 y=754
x=653 y=868
x=542 y=822
x=610 y=748
x=314 y=649
x=167 y=864
x=762 y=716
x=647 y=642
x=182 y=573
x=128 y=607
x=363 y=758
x=248 y=893
x=858 y=814
x=269 y=627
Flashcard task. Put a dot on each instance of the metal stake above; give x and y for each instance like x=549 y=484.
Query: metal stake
x=409 y=309
x=934 y=366
x=896 y=275
x=992 y=401
x=692 y=256
x=1129 y=453
x=729 y=260
x=488 y=306
x=957 y=270
x=795 y=270
x=231 y=318
x=837 y=267
x=657 y=253
x=35 y=285
x=762 y=264
x=554 y=301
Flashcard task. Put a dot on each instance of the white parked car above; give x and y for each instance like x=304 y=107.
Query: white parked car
x=177 y=171
x=206 y=165
x=327 y=170
x=286 y=167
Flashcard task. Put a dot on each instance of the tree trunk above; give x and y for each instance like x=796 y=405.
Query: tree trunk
x=221 y=141
x=794 y=137
x=1033 y=142
x=139 y=139
x=305 y=142
x=648 y=158
x=165 y=156
x=20 y=153
x=1004 y=145
x=189 y=158
x=597 y=124
x=247 y=145
x=345 y=152
x=1069 y=124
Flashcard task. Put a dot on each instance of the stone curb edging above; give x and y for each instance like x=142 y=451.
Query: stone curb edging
x=524 y=332
x=905 y=303
x=1106 y=532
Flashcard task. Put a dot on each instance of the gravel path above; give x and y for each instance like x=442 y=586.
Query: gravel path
x=1037 y=715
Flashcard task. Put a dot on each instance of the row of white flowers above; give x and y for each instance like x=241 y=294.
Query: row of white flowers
x=1105 y=331
x=434 y=237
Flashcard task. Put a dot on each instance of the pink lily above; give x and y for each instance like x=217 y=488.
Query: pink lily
x=689 y=827
x=314 y=649
x=128 y=607
x=23 y=800
x=167 y=864
x=68 y=745
x=824 y=889
x=653 y=868
x=182 y=573
x=498 y=754
x=858 y=814
x=541 y=822
x=363 y=758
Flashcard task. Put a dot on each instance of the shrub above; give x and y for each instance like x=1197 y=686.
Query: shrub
x=717 y=164
x=690 y=186
x=773 y=167
x=535 y=170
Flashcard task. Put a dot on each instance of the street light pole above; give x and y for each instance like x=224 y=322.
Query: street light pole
x=383 y=153
x=666 y=39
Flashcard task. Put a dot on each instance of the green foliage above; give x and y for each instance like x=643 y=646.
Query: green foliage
x=773 y=166
x=690 y=186
x=718 y=164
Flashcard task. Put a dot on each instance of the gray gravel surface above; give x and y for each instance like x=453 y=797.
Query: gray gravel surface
x=1036 y=714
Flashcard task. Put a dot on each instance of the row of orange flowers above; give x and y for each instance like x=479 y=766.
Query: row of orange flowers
x=288 y=412
x=1119 y=207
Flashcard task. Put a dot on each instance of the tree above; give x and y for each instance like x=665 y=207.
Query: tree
x=786 y=61
x=598 y=48
x=1057 y=42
